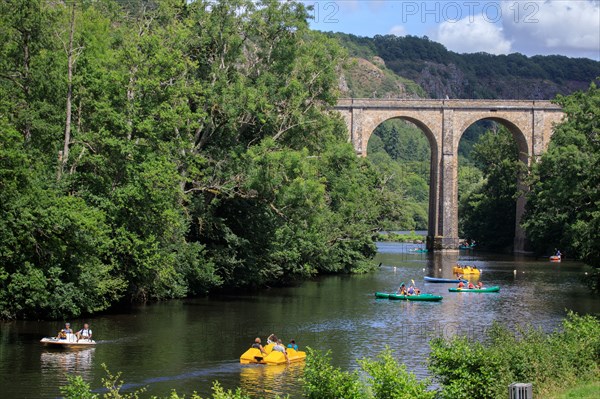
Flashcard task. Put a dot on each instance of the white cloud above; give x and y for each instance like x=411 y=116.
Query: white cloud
x=398 y=30
x=554 y=26
x=472 y=34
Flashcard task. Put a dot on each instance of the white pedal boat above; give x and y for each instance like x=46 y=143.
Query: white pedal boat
x=70 y=342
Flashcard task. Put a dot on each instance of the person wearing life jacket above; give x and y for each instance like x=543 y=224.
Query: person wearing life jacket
x=461 y=284
x=84 y=333
x=402 y=289
x=479 y=285
x=62 y=334
x=471 y=286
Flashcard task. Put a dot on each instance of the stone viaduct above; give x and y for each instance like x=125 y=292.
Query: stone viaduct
x=443 y=122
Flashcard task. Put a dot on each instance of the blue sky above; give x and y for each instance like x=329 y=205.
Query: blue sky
x=567 y=27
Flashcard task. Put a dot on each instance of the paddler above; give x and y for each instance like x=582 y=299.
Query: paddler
x=479 y=285
x=280 y=348
x=471 y=286
x=461 y=285
x=257 y=345
x=402 y=289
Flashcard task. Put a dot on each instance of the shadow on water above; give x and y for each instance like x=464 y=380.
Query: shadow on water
x=186 y=345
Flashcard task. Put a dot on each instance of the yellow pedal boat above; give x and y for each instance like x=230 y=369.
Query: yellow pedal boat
x=272 y=357
x=466 y=270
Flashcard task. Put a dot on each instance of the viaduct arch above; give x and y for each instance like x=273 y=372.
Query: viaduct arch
x=444 y=122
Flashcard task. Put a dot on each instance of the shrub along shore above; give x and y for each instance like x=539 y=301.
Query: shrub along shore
x=565 y=362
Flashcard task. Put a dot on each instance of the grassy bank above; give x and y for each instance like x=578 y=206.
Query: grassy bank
x=587 y=391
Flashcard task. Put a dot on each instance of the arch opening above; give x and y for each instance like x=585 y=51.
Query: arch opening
x=493 y=156
x=404 y=150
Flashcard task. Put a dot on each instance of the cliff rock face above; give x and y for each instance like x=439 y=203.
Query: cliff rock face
x=362 y=78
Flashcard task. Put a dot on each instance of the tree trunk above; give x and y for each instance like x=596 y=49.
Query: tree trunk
x=70 y=62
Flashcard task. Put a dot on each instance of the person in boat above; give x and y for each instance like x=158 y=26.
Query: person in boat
x=461 y=284
x=293 y=345
x=470 y=285
x=479 y=285
x=272 y=339
x=417 y=291
x=84 y=333
x=257 y=345
x=557 y=253
x=402 y=289
x=280 y=348
x=411 y=290
x=62 y=334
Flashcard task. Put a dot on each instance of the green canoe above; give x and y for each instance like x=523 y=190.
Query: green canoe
x=488 y=289
x=422 y=297
x=382 y=295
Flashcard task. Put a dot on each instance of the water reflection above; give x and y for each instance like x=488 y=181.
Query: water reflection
x=57 y=364
x=268 y=381
x=74 y=361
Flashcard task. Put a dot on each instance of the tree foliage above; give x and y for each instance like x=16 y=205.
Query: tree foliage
x=487 y=207
x=563 y=208
x=201 y=153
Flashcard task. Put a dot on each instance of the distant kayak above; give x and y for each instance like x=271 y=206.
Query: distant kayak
x=419 y=250
x=443 y=280
x=555 y=258
x=421 y=297
x=480 y=290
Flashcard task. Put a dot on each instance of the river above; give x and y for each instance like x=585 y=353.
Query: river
x=187 y=344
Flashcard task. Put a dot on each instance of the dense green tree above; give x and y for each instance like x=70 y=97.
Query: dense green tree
x=563 y=209
x=487 y=209
x=155 y=150
x=400 y=153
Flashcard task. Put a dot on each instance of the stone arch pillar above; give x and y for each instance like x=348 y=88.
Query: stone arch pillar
x=531 y=123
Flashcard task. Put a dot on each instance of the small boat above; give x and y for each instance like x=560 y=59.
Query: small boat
x=443 y=280
x=555 y=258
x=466 y=270
x=480 y=290
x=382 y=295
x=420 y=297
x=70 y=342
x=272 y=357
x=464 y=247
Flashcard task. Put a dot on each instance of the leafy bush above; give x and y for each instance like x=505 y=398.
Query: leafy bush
x=324 y=381
x=390 y=380
x=467 y=369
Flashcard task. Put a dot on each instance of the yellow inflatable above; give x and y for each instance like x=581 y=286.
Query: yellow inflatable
x=466 y=270
x=272 y=357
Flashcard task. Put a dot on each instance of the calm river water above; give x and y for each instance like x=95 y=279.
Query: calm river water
x=185 y=345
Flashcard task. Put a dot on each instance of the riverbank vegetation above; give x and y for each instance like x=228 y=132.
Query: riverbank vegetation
x=563 y=208
x=462 y=367
x=154 y=150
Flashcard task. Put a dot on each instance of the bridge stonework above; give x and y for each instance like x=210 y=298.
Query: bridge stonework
x=443 y=122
